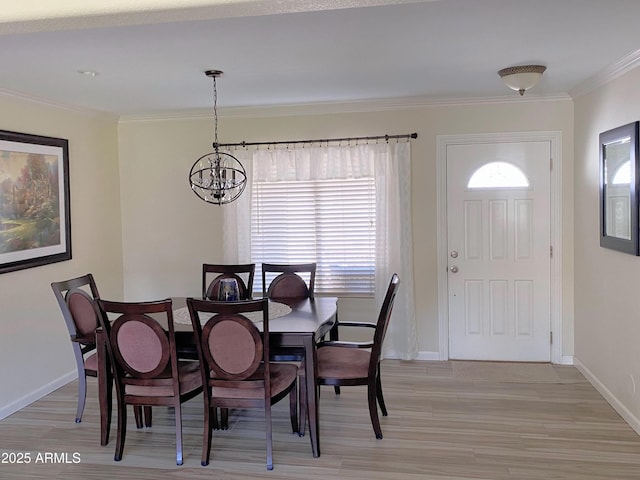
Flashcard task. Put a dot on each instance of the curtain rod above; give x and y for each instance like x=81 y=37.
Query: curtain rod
x=324 y=140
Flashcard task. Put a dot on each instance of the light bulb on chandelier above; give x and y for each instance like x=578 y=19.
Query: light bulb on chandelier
x=217 y=177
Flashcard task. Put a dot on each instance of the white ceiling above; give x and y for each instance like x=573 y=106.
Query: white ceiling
x=150 y=59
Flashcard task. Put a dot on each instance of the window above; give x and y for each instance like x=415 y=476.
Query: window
x=330 y=222
x=498 y=175
x=623 y=175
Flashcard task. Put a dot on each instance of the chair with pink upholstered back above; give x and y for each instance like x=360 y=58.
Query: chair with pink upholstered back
x=289 y=285
x=145 y=364
x=235 y=367
x=76 y=298
x=358 y=363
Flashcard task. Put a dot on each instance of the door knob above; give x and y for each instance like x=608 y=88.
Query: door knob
x=453 y=269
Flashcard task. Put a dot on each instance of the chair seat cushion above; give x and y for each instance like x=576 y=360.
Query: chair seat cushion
x=91 y=362
x=341 y=362
x=282 y=376
x=190 y=379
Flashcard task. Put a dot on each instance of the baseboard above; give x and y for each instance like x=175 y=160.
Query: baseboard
x=623 y=411
x=435 y=356
x=31 y=397
x=428 y=356
x=566 y=360
x=421 y=356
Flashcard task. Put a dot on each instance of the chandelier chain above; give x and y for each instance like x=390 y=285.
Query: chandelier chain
x=215 y=115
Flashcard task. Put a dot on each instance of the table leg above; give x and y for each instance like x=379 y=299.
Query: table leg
x=333 y=335
x=105 y=384
x=312 y=393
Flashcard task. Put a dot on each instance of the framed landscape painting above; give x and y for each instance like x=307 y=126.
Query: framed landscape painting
x=35 y=226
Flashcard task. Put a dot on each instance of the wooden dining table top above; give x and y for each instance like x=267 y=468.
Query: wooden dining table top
x=310 y=315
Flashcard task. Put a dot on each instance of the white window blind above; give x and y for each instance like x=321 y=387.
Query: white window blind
x=330 y=222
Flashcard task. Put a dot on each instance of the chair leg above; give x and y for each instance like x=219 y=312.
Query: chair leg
x=105 y=390
x=293 y=408
x=210 y=418
x=122 y=429
x=105 y=394
x=137 y=414
x=178 y=414
x=82 y=380
x=334 y=336
x=373 y=408
x=303 y=414
x=142 y=416
x=82 y=394
x=383 y=408
x=214 y=417
x=267 y=428
x=224 y=418
x=147 y=417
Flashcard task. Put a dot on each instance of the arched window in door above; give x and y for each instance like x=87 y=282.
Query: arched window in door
x=623 y=175
x=498 y=175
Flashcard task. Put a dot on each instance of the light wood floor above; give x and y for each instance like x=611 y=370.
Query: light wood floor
x=439 y=427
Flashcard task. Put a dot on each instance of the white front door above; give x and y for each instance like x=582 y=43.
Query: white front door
x=499 y=266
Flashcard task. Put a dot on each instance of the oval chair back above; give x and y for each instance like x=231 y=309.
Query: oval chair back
x=211 y=288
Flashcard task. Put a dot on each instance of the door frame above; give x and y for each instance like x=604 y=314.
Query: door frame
x=555 y=139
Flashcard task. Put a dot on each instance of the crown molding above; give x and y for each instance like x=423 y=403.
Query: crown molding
x=286 y=110
x=326 y=108
x=88 y=112
x=606 y=75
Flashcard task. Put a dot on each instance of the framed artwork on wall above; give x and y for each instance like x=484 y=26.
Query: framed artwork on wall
x=619 y=189
x=35 y=223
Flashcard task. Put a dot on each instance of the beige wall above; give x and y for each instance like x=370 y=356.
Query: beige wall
x=35 y=354
x=163 y=233
x=168 y=232
x=607 y=303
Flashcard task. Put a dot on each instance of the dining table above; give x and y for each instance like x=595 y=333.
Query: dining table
x=296 y=327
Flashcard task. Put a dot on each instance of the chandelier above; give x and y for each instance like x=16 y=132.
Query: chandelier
x=217 y=177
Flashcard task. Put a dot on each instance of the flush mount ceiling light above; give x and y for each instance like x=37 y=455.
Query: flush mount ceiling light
x=522 y=77
x=217 y=177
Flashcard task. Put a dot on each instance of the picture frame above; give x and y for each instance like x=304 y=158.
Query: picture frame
x=619 y=186
x=35 y=222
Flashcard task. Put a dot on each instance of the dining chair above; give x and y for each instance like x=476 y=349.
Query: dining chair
x=76 y=298
x=235 y=367
x=289 y=285
x=145 y=364
x=244 y=275
x=211 y=287
x=343 y=363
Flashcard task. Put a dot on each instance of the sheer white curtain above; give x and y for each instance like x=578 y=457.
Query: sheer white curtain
x=394 y=246
x=236 y=222
x=390 y=165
